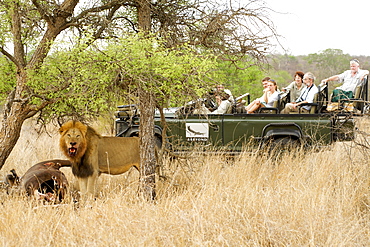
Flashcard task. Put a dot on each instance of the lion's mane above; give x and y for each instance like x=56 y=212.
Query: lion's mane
x=89 y=137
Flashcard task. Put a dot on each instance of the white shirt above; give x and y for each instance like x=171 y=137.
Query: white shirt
x=308 y=94
x=222 y=108
x=350 y=82
x=272 y=98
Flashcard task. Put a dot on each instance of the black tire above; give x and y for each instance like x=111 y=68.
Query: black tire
x=284 y=144
x=158 y=142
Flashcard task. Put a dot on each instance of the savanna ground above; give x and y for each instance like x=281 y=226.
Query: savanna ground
x=317 y=199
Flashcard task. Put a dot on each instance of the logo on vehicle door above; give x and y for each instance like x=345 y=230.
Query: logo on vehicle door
x=197 y=132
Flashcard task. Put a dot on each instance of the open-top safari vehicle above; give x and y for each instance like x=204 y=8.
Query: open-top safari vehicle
x=234 y=130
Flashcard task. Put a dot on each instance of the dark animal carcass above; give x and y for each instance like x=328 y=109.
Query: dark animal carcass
x=45 y=181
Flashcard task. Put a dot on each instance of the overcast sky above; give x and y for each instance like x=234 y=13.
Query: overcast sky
x=315 y=25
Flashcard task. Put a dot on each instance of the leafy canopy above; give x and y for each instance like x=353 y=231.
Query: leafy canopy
x=172 y=74
x=88 y=82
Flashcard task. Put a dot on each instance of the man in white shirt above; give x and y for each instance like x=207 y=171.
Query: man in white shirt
x=307 y=95
x=350 y=79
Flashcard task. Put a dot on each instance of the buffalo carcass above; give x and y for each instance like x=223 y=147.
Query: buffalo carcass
x=44 y=180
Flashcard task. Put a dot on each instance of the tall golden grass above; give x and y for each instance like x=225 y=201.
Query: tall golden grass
x=302 y=199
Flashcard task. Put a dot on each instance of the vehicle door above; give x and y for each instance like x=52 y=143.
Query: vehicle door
x=198 y=130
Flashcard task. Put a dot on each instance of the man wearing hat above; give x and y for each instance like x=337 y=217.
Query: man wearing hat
x=350 y=79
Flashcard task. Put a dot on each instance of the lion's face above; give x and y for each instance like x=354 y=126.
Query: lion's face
x=73 y=141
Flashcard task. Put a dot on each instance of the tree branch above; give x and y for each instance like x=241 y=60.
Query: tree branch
x=104 y=25
x=42 y=12
x=19 y=55
x=11 y=58
x=109 y=5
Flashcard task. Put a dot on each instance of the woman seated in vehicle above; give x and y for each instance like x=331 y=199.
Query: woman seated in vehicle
x=296 y=87
x=270 y=95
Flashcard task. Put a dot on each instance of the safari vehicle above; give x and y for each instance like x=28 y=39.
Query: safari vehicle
x=231 y=132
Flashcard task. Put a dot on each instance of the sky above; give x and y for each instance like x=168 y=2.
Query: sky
x=316 y=25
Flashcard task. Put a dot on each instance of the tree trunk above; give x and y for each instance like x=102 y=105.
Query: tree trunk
x=146 y=107
x=9 y=136
x=147 y=145
x=16 y=112
x=144 y=15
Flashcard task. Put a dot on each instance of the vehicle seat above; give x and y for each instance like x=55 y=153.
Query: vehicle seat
x=284 y=99
x=360 y=96
x=323 y=97
x=314 y=105
x=229 y=109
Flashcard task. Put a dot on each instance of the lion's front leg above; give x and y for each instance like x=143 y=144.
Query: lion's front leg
x=91 y=184
x=88 y=185
x=82 y=184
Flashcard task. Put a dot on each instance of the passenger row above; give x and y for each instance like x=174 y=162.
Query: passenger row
x=303 y=94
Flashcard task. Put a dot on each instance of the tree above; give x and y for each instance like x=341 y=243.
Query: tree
x=238 y=81
x=234 y=32
x=228 y=31
x=157 y=75
x=32 y=28
x=19 y=105
x=330 y=62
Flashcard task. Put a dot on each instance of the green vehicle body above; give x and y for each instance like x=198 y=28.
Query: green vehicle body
x=232 y=132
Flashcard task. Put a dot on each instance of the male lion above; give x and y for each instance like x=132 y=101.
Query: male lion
x=92 y=154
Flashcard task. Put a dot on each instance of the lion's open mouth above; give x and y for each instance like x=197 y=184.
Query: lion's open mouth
x=72 y=151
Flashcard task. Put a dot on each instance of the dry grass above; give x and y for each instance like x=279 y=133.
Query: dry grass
x=317 y=199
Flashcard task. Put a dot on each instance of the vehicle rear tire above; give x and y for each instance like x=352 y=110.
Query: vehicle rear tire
x=283 y=144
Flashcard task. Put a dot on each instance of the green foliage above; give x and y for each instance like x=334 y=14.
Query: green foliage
x=4 y=24
x=289 y=63
x=83 y=83
x=241 y=81
x=80 y=83
x=173 y=75
x=30 y=18
x=7 y=75
x=237 y=80
x=282 y=77
x=330 y=62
